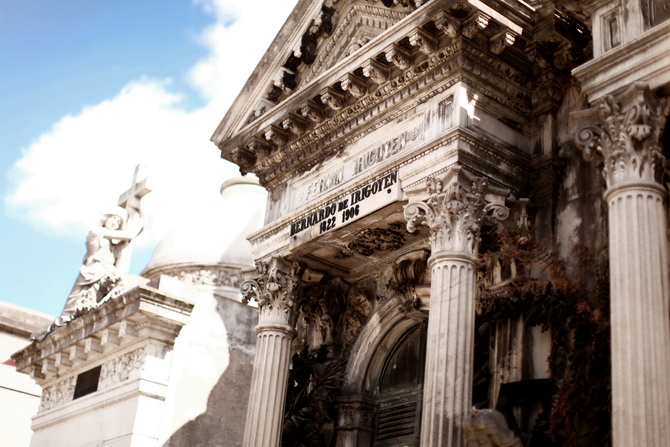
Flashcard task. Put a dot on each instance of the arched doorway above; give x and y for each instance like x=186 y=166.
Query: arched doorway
x=399 y=390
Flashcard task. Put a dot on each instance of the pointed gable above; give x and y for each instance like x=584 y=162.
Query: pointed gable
x=316 y=36
x=355 y=24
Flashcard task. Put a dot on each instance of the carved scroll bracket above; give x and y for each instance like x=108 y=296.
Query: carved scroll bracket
x=455 y=209
x=411 y=280
x=625 y=131
x=272 y=285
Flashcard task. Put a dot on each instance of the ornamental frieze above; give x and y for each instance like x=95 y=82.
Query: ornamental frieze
x=207 y=276
x=57 y=394
x=122 y=368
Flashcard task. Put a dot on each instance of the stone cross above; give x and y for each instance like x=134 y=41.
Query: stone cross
x=130 y=200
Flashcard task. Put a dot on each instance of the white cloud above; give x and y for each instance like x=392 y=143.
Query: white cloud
x=80 y=166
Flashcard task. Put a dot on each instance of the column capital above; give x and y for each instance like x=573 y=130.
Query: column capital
x=625 y=130
x=272 y=285
x=455 y=209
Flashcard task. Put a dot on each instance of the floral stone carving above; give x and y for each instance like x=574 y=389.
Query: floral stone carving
x=272 y=286
x=370 y=240
x=626 y=133
x=455 y=209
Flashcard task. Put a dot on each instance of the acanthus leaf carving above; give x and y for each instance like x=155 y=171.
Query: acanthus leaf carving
x=276 y=136
x=332 y=99
x=353 y=84
x=312 y=112
x=426 y=43
x=272 y=285
x=626 y=134
x=243 y=158
x=377 y=72
x=446 y=24
x=399 y=56
x=409 y=275
x=295 y=125
x=455 y=210
x=479 y=22
x=359 y=308
x=260 y=147
x=500 y=41
x=286 y=81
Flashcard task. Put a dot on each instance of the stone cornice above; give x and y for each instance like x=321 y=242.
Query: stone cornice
x=293 y=153
x=468 y=149
x=140 y=313
x=643 y=59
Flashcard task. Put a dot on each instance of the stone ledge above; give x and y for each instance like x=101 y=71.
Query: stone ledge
x=140 y=313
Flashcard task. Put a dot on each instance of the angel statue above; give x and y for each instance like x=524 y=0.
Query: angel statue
x=101 y=276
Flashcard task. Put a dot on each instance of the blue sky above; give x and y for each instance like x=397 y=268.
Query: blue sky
x=90 y=88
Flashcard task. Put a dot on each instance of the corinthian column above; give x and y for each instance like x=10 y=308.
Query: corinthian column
x=625 y=133
x=453 y=211
x=272 y=288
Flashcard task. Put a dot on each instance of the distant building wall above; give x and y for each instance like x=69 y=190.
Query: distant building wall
x=19 y=394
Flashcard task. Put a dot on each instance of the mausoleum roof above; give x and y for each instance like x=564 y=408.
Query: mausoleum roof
x=217 y=234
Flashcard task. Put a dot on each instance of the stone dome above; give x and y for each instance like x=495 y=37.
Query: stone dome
x=215 y=236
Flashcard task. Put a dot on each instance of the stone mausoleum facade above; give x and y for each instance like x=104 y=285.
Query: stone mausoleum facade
x=465 y=244
x=467 y=208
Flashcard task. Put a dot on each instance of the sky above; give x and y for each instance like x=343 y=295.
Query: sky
x=91 y=88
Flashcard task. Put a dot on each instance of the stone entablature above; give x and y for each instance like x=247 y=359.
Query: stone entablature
x=139 y=319
x=629 y=45
x=456 y=146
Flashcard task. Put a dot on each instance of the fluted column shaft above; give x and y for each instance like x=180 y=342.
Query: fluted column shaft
x=272 y=286
x=268 y=386
x=624 y=131
x=454 y=211
x=640 y=317
x=447 y=395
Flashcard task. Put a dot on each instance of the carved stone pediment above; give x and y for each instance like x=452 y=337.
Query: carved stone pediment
x=358 y=23
x=324 y=93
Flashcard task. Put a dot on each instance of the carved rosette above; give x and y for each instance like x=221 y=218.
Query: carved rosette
x=272 y=286
x=455 y=210
x=626 y=134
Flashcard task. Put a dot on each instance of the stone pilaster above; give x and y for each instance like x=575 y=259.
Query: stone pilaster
x=272 y=288
x=625 y=132
x=454 y=211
